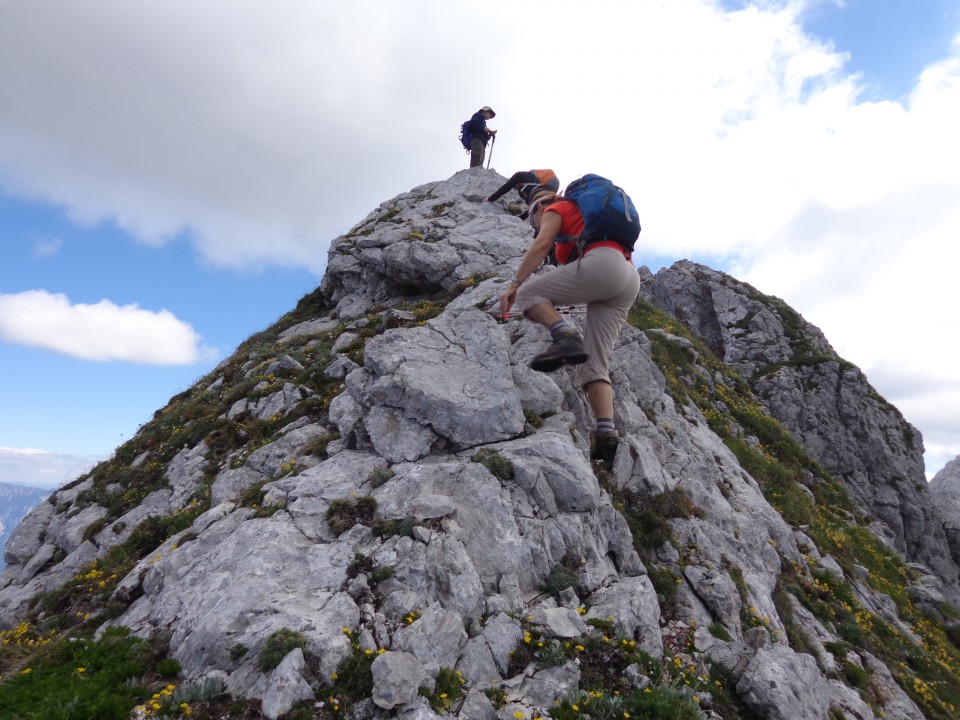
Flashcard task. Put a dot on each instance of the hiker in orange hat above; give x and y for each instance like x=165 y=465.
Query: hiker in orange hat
x=598 y=272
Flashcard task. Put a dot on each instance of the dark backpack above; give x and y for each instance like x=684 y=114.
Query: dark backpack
x=608 y=212
x=465 y=136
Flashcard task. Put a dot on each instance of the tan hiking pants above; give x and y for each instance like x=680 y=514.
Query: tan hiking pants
x=608 y=283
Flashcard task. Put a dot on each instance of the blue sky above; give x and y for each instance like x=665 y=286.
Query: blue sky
x=889 y=42
x=171 y=175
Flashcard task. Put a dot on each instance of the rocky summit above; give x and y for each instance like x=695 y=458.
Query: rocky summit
x=375 y=509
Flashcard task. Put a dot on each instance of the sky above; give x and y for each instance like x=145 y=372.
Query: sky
x=172 y=174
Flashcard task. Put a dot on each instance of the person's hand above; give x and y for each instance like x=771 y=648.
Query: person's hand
x=507 y=299
x=491 y=132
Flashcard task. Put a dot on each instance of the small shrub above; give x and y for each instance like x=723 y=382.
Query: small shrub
x=648 y=515
x=496 y=696
x=360 y=564
x=253 y=495
x=497 y=464
x=838 y=649
x=238 y=651
x=855 y=675
x=665 y=583
x=168 y=668
x=605 y=626
x=318 y=445
x=344 y=514
x=552 y=654
x=278 y=646
x=379 y=476
x=388 y=528
x=381 y=574
x=559 y=579
x=719 y=631
x=354 y=679
x=533 y=419
x=447 y=690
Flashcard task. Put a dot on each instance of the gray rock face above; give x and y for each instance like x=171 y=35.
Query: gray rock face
x=285 y=686
x=945 y=491
x=783 y=685
x=378 y=527
x=396 y=679
x=825 y=403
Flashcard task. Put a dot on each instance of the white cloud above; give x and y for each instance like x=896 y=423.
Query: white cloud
x=870 y=254
x=40 y=468
x=103 y=331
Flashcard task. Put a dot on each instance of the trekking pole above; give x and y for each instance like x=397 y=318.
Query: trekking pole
x=493 y=141
x=563 y=310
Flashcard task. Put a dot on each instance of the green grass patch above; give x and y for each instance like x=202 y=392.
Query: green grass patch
x=81 y=678
x=379 y=476
x=447 y=691
x=559 y=579
x=388 y=528
x=497 y=464
x=278 y=646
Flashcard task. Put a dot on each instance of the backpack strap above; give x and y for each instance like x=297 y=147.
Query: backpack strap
x=580 y=244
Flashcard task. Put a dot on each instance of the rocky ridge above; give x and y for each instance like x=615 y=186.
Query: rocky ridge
x=381 y=477
x=825 y=402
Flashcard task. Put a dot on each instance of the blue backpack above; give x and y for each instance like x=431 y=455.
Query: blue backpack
x=608 y=212
x=465 y=136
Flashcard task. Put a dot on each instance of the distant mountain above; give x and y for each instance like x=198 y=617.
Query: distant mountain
x=15 y=502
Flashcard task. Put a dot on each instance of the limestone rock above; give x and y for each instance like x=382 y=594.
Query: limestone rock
x=396 y=679
x=945 y=491
x=286 y=686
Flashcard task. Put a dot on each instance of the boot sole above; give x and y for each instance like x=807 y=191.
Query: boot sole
x=551 y=363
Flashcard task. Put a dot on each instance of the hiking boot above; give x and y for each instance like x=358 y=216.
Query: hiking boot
x=605 y=447
x=565 y=350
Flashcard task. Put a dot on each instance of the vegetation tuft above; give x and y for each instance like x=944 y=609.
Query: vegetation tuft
x=497 y=464
x=78 y=678
x=278 y=646
x=344 y=514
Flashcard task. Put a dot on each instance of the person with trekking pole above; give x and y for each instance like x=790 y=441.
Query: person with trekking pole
x=480 y=134
x=594 y=269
